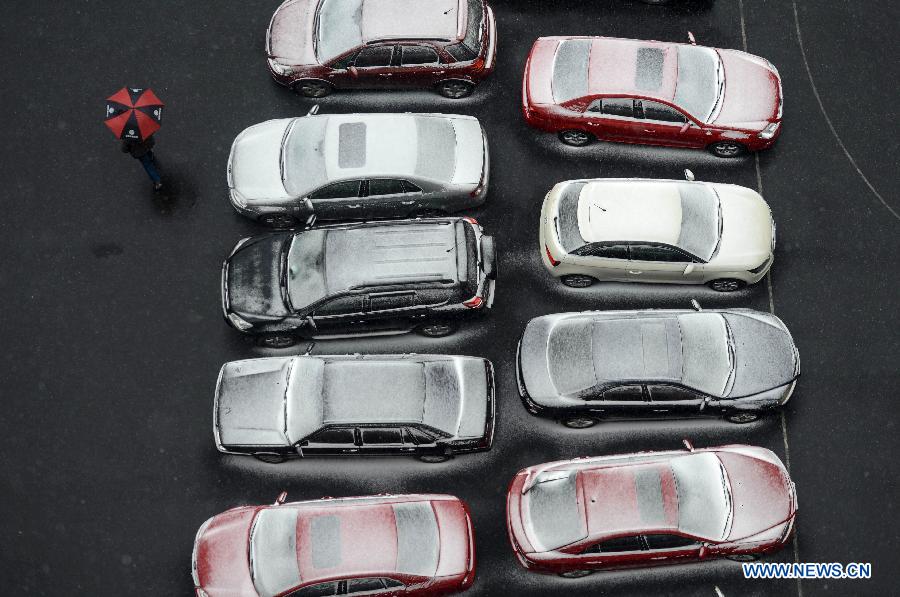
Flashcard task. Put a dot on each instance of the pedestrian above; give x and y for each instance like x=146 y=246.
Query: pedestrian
x=142 y=150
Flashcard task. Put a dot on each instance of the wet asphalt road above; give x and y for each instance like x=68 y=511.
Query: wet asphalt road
x=114 y=335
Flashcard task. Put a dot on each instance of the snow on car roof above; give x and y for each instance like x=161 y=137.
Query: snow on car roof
x=373 y=392
x=637 y=349
x=412 y=19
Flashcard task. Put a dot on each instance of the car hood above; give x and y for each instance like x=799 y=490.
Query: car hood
x=747 y=231
x=250 y=402
x=254 y=277
x=291 y=33
x=764 y=352
x=255 y=162
x=222 y=555
x=535 y=364
x=760 y=488
x=752 y=92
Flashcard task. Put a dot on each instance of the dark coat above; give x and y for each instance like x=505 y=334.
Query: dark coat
x=138 y=149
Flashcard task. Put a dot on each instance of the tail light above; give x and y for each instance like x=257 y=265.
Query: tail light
x=477 y=190
x=470 y=220
x=553 y=261
x=474 y=303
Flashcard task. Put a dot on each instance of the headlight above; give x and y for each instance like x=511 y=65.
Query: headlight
x=760 y=267
x=281 y=69
x=769 y=131
x=239 y=323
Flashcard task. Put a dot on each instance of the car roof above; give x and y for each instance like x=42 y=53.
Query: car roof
x=412 y=19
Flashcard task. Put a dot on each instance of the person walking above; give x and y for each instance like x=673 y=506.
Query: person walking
x=142 y=150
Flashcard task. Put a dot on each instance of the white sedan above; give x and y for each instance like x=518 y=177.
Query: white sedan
x=662 y=231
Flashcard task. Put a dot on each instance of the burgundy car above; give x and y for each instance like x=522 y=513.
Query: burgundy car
x=650 y=92
x=576 y=516
x=380 y=545
x=315 y=46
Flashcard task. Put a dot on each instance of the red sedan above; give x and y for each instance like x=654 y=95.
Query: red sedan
x=379 y=545
x=573 y=517
x=315 y=46
x=650 y=92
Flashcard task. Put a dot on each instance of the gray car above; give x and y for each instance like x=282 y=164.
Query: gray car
x=580 y=367
x=358 y=166
x=430 y=406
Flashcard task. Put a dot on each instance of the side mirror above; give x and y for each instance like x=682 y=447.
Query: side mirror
x=309 y=348
x=313 y=111
x=352 y=70
x=688 y=445
x=688 y=175
x=689 y=268
x=704 y=551
x=685 y=126
x=311 y=220
x=281 y=498
x=695 y=305
x=692 y=39
x=311 y=323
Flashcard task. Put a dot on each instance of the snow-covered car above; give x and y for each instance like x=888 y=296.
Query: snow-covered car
x=358 y=166
x=583 y=367
x=662 y=231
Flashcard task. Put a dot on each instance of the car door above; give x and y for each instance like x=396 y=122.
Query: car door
x=662 y=124
x=620 y=552
x=604 y=261
x=382 y=440
x=387 y=197
x=613 y=119
x=666 y=548
x=373 y=67
x=420 y=66
x=393 y=308
x=340 y=314
x=649 y=262
x=340 y=200
x=674 y=400
x=330 y=441
x=623 y=400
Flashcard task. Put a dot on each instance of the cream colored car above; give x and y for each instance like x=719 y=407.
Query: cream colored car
x=659 y=231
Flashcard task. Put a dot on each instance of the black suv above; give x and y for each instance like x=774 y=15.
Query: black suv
x=359 y=278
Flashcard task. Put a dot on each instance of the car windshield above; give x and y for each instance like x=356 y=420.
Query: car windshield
x=338 y=28
x=303 y=156
x=273 y=551
x=704 y=497
x=701 y=81
x=707 y=359
x=555 y=515
x=701 y=220
x=304 y=269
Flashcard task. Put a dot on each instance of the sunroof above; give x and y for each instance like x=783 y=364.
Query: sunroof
x=649 y=70
x=352 y=145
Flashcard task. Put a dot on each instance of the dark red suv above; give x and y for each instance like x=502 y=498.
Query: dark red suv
x=316 y=46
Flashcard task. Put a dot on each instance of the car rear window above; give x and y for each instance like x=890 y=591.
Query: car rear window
x=470 y=255
x=418 y=541
x=470 y=46
x=435 y=148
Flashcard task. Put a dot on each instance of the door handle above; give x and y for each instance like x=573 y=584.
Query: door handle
x=649 y=130
x=407 y=202
x=635 y=272
x=386 y=75
x=357 y=206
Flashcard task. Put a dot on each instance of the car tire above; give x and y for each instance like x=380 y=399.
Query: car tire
x=742 y=417
x=577 y=280
x=727 y=149
x=277 y=220
x=727 y=285
x=455 y=88
x=436 y=329
x=576 y=573
x=576 y=138
x=579 y=422
x=743 y=557
x=434 y=458
x=276 y=341
x=312 y=88
x=269 y=457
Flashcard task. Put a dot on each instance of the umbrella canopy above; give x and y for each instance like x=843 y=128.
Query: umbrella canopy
x=133 y=113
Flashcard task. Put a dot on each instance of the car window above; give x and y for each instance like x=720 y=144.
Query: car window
x=656 y=253
x=668 y=541
x=385 y=186
x=416 y=55
x=393 y=300
x=341 y=305
x=613 y=106
x=602 y=250
x=624 y=394
x=658 y=111
x=374 y=56
x=619 y=544
x=409 y=187
x=338 y=190
x=670 y=394
x=380 y=435
x=356 y=586
x=390 y=583
x=325 y=589
x=333 y=436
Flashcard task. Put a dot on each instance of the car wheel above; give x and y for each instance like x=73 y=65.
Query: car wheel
x=576 y=573
x=455 y=89
x=434 y=458
x=743 y=557
x=579 y=422
x=741 y=418
x=269 y=457
x=276 y=341
x=436 y=329
x=576 y=138
x=727 y=285
x=312 y=88
x=278 y=220
x=727 y=149
x=577 y=280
